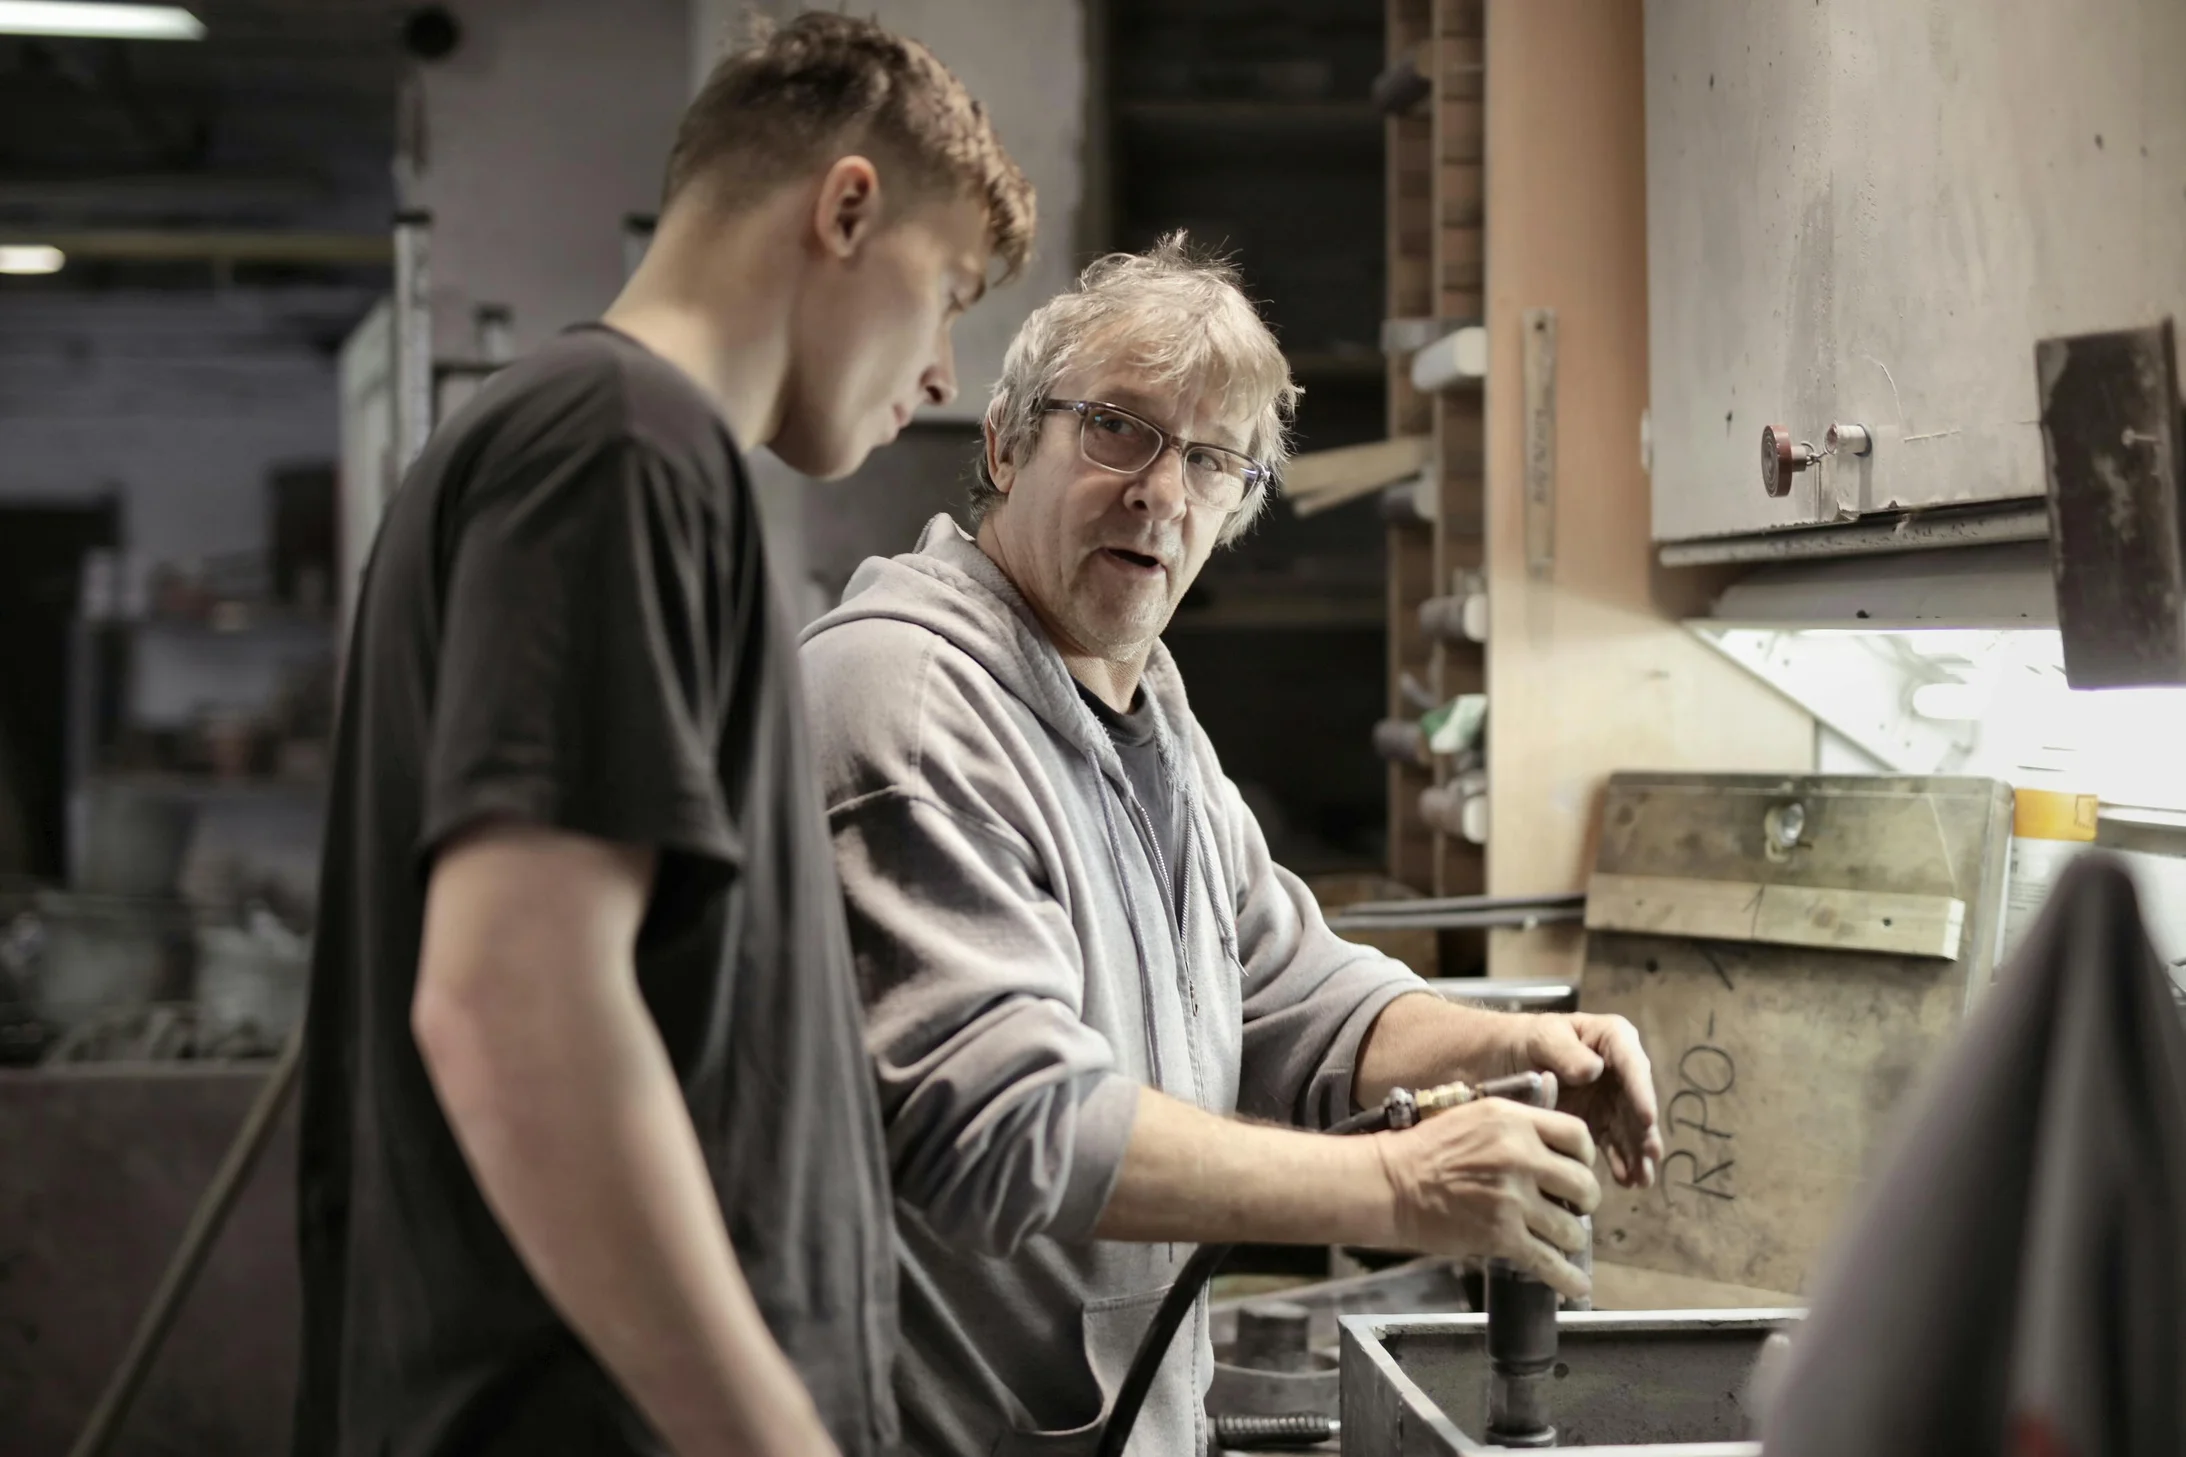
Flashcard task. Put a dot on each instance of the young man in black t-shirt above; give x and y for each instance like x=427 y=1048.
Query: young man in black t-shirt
x=590 y=1158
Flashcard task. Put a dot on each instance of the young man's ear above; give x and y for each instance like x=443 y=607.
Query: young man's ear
x=847 y=210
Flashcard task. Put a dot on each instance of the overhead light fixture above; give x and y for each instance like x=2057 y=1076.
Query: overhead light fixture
x=31 y=258
x=106 y=22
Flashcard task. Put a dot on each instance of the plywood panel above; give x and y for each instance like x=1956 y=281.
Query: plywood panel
x=1588 y=670
x=1778 y=1068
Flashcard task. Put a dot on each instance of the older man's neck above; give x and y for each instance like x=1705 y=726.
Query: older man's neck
x=1113 y=683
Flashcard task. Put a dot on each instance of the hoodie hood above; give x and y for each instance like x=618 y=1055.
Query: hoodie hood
x=950 y=587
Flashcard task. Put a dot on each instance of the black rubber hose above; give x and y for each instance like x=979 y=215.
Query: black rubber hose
x=1154 y=1346
x=1373 y=1120
x=1146 y=1364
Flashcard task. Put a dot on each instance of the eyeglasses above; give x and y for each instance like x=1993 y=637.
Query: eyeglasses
x=1115 y=439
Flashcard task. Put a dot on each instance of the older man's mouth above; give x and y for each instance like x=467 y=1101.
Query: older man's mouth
x=1137 y=562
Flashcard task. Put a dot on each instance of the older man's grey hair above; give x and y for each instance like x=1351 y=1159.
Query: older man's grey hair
x=1178 y=318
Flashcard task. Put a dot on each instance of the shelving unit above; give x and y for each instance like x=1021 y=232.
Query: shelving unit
x=1435 y=210
x=1248 y=123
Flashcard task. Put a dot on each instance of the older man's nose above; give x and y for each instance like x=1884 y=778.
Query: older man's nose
x=1159 y=489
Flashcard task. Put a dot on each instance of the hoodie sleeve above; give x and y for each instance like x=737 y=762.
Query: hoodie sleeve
x=1310 y=996
x=1004 y=1113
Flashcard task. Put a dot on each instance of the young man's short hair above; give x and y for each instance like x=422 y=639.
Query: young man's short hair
x=799 y=95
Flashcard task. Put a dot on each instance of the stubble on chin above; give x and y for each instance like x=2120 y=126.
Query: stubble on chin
x=1121 y=631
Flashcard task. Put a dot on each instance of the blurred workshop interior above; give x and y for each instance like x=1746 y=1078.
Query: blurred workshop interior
x=1526 y=673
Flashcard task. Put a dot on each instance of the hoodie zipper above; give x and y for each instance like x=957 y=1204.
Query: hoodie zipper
x=1178 y=897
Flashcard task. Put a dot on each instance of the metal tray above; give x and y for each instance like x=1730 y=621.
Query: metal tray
x=1667 y=1383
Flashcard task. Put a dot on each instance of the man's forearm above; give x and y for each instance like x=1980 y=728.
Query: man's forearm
x=582 y=1146
x=1190 y=1175
x=1422 y=1039
x=562 y=1096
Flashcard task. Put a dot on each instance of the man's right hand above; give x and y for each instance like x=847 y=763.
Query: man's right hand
x=1482 y=1180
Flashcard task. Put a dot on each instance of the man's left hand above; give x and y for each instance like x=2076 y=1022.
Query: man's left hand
x=1602 y=1076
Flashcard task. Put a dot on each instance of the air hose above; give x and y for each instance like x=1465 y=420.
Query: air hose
x=1401 y=1109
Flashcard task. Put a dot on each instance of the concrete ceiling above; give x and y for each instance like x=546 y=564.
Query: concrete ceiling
x=281 y=122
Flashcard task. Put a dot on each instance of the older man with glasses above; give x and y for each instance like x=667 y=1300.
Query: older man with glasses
x=1090 y=994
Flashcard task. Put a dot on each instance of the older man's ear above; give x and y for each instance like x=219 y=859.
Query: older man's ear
x=1000 y=470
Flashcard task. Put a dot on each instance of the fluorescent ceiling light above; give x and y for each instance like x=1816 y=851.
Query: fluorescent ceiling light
x=111 y=22
x=30 y=258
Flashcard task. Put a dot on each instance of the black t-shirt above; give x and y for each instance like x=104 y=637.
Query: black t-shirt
x=567 y=620
x=1133 y=735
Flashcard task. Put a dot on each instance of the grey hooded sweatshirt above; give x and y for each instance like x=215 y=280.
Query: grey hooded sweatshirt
x=1028 y=962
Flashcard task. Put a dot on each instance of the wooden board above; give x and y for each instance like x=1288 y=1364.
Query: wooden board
x=1626 y=1287
x=1787 y=915
x=1320 y=479
x=1779 y=1068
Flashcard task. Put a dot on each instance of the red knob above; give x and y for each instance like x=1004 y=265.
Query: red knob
x=1781 y=459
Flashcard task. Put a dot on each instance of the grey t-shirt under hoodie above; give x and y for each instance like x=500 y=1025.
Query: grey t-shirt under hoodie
x=1133 y=734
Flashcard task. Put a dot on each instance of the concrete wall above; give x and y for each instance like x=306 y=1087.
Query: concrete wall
x=546 y=127
x=176 y=403
x=1026 y=62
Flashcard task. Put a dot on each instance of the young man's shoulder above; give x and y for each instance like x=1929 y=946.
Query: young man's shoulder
x=592 y=383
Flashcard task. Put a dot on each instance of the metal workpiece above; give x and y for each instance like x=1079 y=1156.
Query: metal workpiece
x=1274 y=1433
x=1252 y=1332
x=1663 y=1383
x=1521 y=1343
x=2114 y=443
x=1402 y=741
x=1463 y=912
x=1495 y=994
x=1846 y=439
x=1273 y=1335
